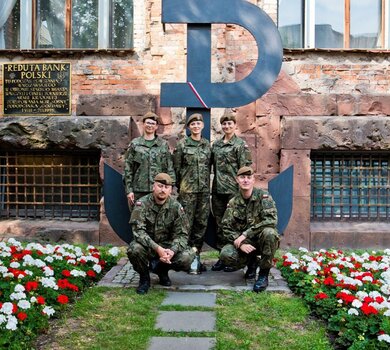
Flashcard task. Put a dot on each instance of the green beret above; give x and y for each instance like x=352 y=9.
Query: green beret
x=227 y=117
x=194 y=118
x=150 y=115
x=163 y=178
x=245 y=170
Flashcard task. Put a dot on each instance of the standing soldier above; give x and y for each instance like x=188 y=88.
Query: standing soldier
x=146 y=156
x=191 y=160
x=228 y=154
x=249 y=225
x=160 y=231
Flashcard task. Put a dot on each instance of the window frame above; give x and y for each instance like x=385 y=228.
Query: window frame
x=308 y=24
x=28 y=28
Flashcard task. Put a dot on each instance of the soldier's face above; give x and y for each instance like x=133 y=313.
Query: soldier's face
x=228 y=127
x=196 y=127
x=245 y=182
x=150 y=126
x=161 y=192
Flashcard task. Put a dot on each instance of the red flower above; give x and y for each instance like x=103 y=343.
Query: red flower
x=31 y=285
x=66 y=273
x=14 y=308
x=321 y=296
x=368 y=309
x=91 y=273
x=329 y=281
x=62 y=299
x=40 y=300
x=21 y=316
x=62 y=283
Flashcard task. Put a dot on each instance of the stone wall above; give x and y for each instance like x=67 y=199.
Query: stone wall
x=317 y=93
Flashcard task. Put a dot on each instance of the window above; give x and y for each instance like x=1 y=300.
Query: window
x=350 y=186
x=49 y=186
x=66 y=24
x=355 y=24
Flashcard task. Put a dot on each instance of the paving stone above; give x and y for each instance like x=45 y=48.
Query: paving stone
x=171 y=343
x=186 y=321
x=190 y=299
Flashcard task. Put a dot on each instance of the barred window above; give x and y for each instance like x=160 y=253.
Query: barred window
x=50 y=185
x=349 y=186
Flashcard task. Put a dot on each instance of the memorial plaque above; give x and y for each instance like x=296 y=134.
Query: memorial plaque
x=36 y=88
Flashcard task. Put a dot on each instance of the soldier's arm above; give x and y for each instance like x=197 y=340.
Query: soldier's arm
x=138 y=226
x=177 y=163
x=180 y=230
x=170 y=171
x=268 y=215
x=244 y=155
x=129 y=168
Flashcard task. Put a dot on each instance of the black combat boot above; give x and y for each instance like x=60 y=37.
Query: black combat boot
x=144 y=283
x=250 y=273
x=218 y=266
x=162 y=272
x=262 y=281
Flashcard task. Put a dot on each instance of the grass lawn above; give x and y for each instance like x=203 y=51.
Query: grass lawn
x=118 y=318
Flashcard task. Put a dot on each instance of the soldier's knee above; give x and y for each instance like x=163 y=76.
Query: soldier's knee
x=270 y=234
x=227 y=253
x=135 y=249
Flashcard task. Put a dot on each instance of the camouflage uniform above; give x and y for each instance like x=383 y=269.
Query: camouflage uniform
x=154 y=225
x=256 y=218
x=191 y=161
x=143 y=161
x=226 y=159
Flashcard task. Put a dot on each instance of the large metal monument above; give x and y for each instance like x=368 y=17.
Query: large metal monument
x=198 y=94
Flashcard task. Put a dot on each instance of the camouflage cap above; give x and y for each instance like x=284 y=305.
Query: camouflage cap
x=245 y=170
x=164 y=179
x=150 y=115
x=194 y=118
x=227 y=117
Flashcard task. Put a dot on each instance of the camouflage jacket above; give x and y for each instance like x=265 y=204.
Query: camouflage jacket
x=226 y=159
x=144 y=162
x=191 y=161
x=165 y=225
x=249 y=217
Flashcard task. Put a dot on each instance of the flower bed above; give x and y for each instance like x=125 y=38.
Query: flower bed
x=351 y=291
x=37 y=281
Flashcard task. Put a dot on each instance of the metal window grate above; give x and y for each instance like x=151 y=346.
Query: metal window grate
x=350 y=186
x=50 y=185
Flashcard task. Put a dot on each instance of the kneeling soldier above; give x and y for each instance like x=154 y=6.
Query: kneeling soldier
x=160 y=235
x=249 y=225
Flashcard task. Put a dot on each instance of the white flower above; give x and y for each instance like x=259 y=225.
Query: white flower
x=49 y=259
x=49 y=282
x=387 y=313
x=24 y=304
x=97 y=268
x=357 y=303
x=19 y=288
x=72 y=262
x=303 y=250
x=33 y=300
x=78 y=273
x=114 y=251
x=12 y=323
x=48 y=310
x=7 y=308
x=3 y=319
x=14 y=265
x=48 y=271
x=384 y=337
x=17 y=296
x=353 y=311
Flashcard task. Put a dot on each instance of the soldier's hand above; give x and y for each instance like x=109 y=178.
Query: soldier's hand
x=237 y=242
x=247 y=248
x=130 y=198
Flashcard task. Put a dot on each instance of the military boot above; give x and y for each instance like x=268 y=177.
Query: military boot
x=262 y=281
x=250 y=273
x=218 y=266
x=144 y=283
x=162 y=272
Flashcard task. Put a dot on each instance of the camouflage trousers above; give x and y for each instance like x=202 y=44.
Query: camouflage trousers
x=140 y=257
x=266 y=244
x=197 y=208
x=218 y=205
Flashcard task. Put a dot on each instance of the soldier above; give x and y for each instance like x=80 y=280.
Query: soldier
x=191 y=161
x=160 y=235
x=249 y=224
x=228 y=154
x=146 y=156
